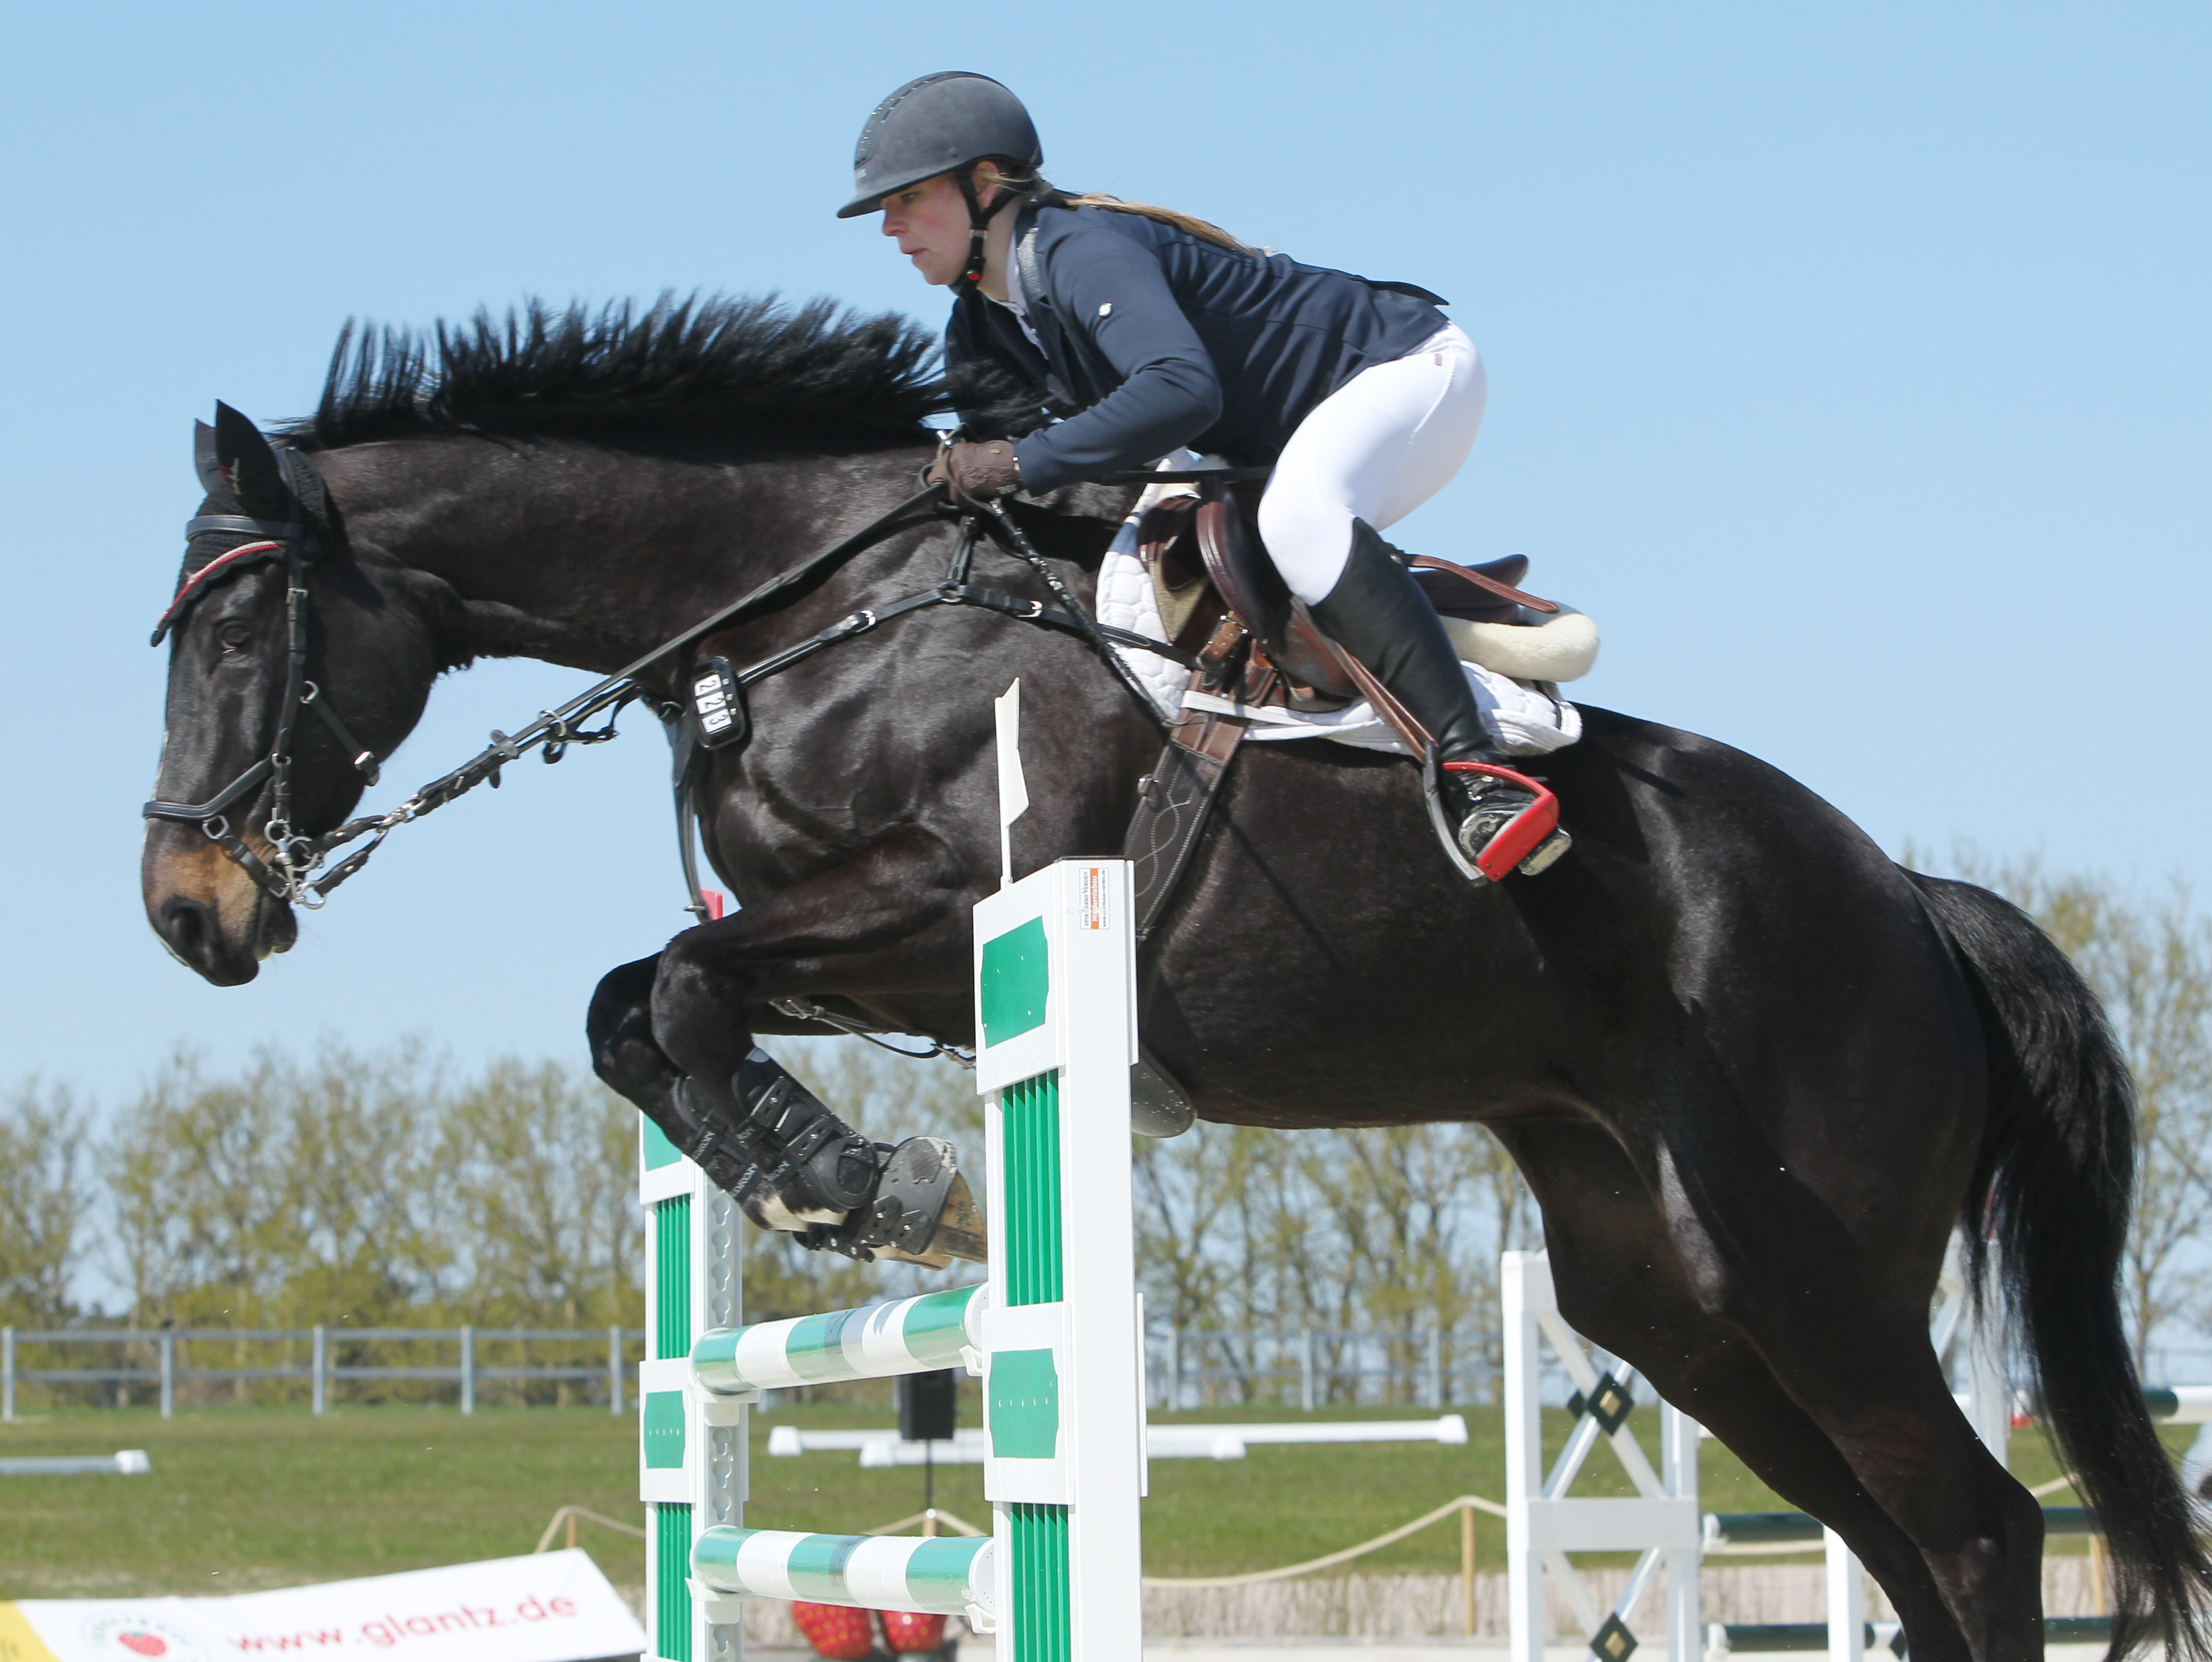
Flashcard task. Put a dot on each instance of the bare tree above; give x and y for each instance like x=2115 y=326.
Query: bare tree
x=196 y=1169
x=1186 y=1191
x=544 y=1186
x=43 y=1203
x=365 y=1189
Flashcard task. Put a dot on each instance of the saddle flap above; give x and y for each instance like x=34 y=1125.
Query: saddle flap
x=1164 y=542
x=1167 y=544
x=1255 y=592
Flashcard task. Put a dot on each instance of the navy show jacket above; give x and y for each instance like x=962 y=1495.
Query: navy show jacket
x=1162 y=339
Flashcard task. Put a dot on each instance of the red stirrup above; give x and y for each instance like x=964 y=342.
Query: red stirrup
x=1524 y=833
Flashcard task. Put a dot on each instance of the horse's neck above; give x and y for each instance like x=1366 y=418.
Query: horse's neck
x=589 y=556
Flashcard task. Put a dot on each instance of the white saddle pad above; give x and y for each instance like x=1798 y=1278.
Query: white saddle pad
x=1528 y=718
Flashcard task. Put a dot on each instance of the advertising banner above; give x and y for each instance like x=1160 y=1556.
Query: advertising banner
x=547 y=1607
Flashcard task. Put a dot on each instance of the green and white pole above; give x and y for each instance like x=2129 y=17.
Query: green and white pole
x=1063 y=1388
x=691 y=1445
x=876 y=1342
x=942 y=1574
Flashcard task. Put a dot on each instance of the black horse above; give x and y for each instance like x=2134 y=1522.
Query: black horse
x=1754 y=1072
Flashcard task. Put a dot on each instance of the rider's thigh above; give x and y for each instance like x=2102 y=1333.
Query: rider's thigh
x=1375 y=449
x=1440 y=443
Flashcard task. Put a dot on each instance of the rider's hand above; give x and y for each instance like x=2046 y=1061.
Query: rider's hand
x=976 y=472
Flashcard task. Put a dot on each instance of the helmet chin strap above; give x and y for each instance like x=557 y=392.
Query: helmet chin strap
x=979 y=222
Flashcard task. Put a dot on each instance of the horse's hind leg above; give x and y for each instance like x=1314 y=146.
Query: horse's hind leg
x=1622 y=1284
x=1828 y=1271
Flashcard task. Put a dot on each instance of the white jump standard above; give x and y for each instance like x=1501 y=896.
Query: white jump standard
x=691 y=1447
x=1055 y=1333
x=1544 y=1524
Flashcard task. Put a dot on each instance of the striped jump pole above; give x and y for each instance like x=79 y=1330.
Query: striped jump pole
x=942 y=1574
x=1056 y=1334
x=913 y=1336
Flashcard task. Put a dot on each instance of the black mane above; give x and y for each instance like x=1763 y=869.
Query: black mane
x=711 y=362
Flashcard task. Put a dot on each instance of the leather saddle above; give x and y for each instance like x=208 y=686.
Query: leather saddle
x=1222 y=598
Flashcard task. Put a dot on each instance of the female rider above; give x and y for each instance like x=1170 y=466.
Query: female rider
x=1161 y=331
x=1164 y=332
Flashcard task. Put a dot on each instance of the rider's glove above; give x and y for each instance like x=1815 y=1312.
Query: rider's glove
x=976 y=472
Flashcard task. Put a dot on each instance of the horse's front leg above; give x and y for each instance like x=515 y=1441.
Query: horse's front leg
x=628 y=1059
x=890 y=925
x=624 y=1055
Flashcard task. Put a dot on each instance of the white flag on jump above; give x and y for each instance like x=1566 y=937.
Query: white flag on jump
x=1014 y=792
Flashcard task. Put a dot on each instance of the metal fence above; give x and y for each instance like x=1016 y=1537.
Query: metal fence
x=1185 y=1368
x=159 y=1360
x=1430 y=1367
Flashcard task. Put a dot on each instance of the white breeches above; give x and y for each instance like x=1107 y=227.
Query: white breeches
x=1375 y=449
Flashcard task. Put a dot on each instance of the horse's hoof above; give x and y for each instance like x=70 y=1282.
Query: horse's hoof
x=922 y=1210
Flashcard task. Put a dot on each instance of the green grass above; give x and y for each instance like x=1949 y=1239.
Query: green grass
x=246 y=1498
x=240 y=1499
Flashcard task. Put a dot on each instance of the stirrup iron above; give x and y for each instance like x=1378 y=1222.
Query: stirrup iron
x=1530 y=841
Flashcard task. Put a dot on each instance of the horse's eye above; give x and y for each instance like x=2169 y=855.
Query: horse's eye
x=233 y=634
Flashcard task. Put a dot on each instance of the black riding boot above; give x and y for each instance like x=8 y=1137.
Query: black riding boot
x=795 y=1165
x=1378 y=612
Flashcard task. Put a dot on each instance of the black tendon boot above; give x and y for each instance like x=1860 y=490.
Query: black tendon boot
x=1492 y=817
x=810 y=1173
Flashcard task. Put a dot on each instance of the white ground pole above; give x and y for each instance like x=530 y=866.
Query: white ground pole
x=882 y=1447
x=1544 y=1524
x=691 y=1445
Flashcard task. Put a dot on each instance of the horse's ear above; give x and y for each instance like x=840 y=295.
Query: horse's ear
x=204 y=463
x=248 y=464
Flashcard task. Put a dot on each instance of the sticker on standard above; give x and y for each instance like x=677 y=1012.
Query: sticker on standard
x=548 y=1607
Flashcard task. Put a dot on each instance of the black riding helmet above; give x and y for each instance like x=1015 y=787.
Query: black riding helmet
x=943 y=124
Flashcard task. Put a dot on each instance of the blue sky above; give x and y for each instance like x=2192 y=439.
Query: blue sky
x=1848 y=364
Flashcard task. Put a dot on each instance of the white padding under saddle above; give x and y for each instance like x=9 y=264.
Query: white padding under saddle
x=1563 y=647
x=1513 y=669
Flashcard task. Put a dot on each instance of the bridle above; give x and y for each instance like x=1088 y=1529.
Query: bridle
x=294 y=875
x=296 y=539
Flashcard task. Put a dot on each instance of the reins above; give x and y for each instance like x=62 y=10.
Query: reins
x=298 y=857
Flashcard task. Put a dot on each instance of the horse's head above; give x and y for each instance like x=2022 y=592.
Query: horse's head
x=297 y=661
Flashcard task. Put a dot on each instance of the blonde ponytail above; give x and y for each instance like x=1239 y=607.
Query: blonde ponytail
x=1051 y=196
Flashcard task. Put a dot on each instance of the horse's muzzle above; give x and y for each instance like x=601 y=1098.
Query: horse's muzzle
x=209 y=913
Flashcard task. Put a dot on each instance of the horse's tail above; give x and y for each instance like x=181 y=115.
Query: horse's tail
x=2054 y=1187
